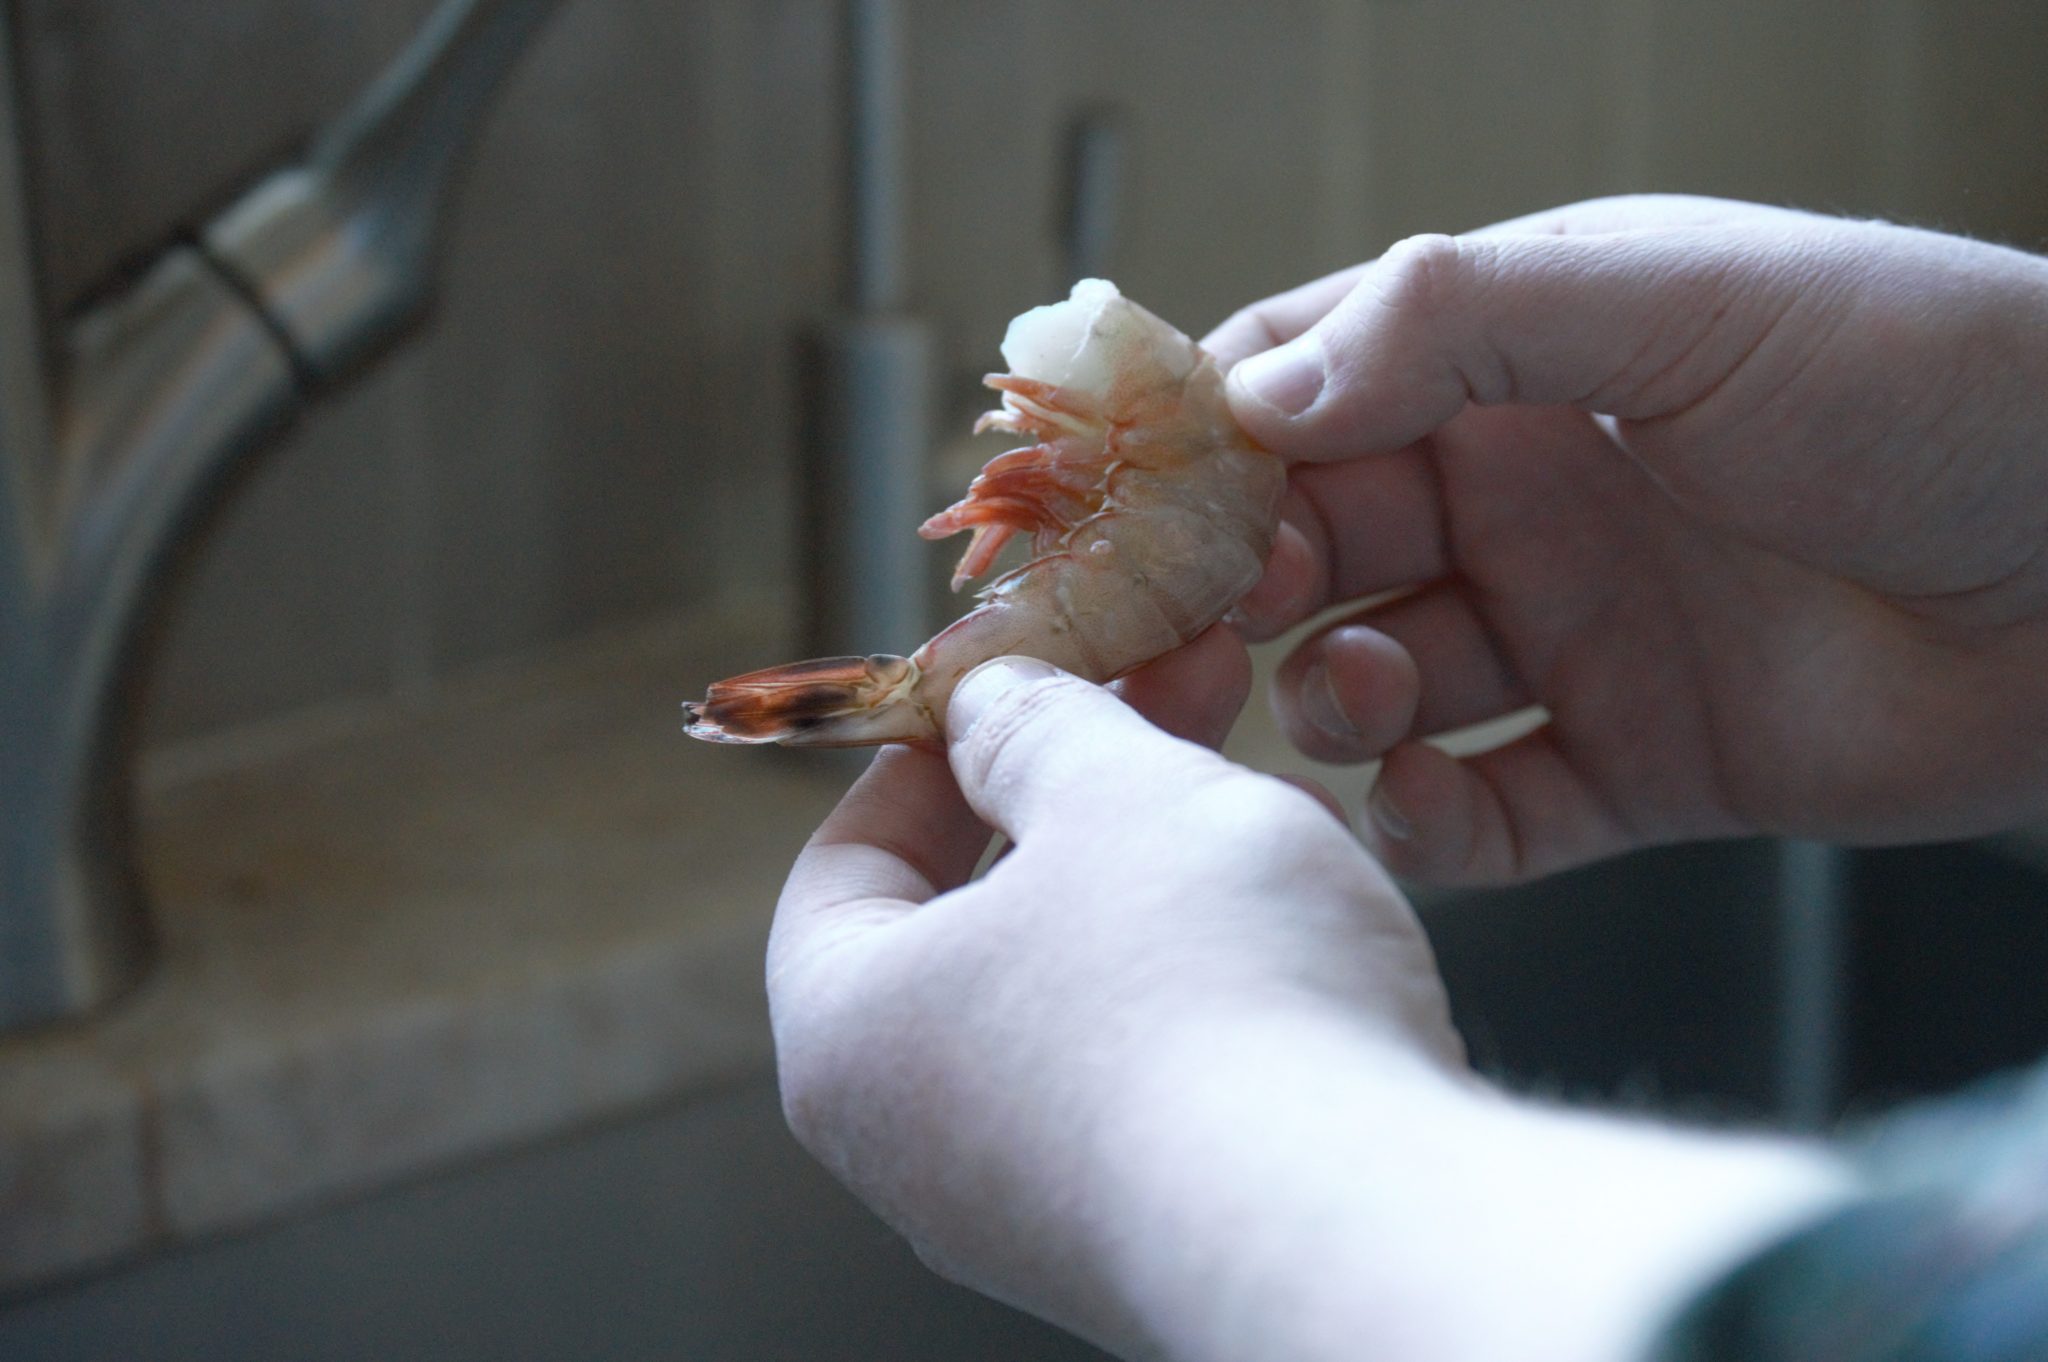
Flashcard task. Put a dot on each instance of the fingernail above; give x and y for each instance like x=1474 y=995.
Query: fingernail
x=986 y=684
x=1287 y=378
x=1386 y=815
x=1319 y=704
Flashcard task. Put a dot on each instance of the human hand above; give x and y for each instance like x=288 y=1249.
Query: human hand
x=1178 y=1073
x=968 y=1056
x=1753 y=502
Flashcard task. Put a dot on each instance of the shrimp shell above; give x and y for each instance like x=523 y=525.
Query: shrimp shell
x=1150 y=514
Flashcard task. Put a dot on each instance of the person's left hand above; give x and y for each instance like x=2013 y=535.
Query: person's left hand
x=974 y=1059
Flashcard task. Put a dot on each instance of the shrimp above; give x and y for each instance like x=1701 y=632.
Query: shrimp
x=1150 y=514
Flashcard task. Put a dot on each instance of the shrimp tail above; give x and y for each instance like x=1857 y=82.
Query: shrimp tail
x=827 y=702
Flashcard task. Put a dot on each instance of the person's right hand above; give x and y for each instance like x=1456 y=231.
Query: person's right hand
x=1754 y=502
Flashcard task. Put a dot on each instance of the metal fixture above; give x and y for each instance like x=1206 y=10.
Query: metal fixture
x=164 y=389
x=869 y=429
x=1096 y=158
x=1812 y=909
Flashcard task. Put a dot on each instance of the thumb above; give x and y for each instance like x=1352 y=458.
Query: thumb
x=1031 y=744
x=1631 y=324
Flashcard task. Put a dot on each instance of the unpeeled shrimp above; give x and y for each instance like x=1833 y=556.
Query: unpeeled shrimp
x=1150 y=515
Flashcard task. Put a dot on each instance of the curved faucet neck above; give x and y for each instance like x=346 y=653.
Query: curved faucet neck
x=167 y=387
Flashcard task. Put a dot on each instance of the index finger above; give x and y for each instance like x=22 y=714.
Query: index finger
x=1635 y=212
x=1348 y=530
x=901 y=837
x=1280 y=318
x=904 y=834
x=1276 y=320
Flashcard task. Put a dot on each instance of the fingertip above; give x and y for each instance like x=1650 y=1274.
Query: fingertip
x=1500 y=816
x=988 y=683
x=1285 y=595
x=1376 y=682
x=1278 y=319
x=1058 y=749
x=1419 y=816
x=1368 y=377
x=1347 y=694
x=1196 y=691
x=1271 y=390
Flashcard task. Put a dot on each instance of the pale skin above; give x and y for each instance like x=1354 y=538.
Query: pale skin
x=1751 y=502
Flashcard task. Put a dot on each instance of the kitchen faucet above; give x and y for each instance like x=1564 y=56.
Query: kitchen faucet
x=108 y=465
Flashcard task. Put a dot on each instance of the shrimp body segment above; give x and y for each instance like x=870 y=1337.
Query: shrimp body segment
x=1149 y=514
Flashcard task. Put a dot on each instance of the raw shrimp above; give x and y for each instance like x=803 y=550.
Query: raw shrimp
x=1150 y=515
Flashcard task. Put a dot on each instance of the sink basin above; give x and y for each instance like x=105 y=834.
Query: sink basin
x=1653 y=981
x=699 y=1231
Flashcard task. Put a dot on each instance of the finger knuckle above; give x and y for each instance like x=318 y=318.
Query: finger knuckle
x=1419 y=274
x=1252 y=324
x=1402 y=333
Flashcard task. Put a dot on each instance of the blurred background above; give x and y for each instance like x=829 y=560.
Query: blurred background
x=585 y=482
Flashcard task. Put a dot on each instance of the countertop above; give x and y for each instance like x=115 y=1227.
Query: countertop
x=393 y=940
x=407 y=938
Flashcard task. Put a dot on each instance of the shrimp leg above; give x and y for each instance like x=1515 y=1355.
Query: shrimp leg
x=1034 y=490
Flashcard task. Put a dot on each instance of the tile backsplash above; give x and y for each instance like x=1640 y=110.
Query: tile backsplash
x=601 y=423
